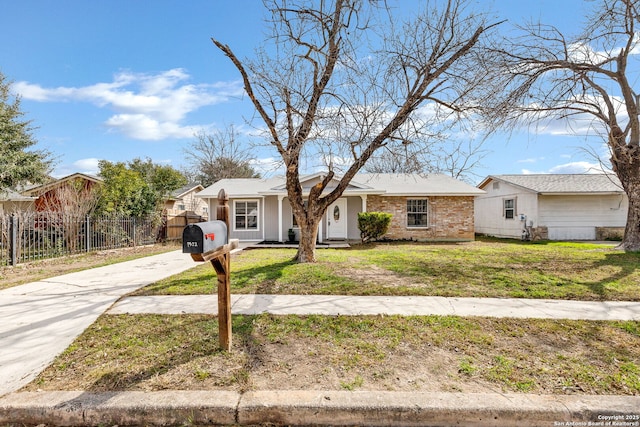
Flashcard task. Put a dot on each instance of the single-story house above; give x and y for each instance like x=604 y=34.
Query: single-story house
x=181 y=208
x=12 y=201
x=184 y=200
x=425 y=207
x=48 y=195
x=554 y=207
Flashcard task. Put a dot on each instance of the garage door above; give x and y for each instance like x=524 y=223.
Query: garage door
x=572 y=233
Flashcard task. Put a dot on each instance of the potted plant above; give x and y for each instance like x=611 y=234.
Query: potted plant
x=292 y=235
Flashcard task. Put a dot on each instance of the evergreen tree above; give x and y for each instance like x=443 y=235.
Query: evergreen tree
x=18 y=164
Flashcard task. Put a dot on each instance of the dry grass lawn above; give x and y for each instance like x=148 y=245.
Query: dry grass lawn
x=427 y=353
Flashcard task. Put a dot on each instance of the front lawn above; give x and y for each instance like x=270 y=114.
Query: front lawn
x=487 y=268
x=404 y=353
x=414 y=353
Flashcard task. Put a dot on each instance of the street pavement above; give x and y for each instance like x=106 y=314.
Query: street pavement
x=40 y=320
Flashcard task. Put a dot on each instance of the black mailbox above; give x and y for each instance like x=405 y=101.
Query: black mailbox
x=204 y=237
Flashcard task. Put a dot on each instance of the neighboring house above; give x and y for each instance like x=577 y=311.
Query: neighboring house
x=184 y=200
x=424 y=207
x=11 y=201
x=48 y=195
x=555 y=207
x=183 y=208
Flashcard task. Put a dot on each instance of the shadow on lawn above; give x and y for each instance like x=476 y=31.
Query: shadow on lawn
x=626 y=264
x=260 y=279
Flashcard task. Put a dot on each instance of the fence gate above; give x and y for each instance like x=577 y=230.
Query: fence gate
x=175 y=223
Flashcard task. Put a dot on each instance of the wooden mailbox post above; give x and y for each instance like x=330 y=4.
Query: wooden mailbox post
x=220 y=258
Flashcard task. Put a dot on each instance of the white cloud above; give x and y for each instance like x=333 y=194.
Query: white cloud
x=268 y=166
x=530 y=160
x=569 y=123
x=583 y=52
x=147 y=106
x=141 y=126
x=88 y=166
x=580 y=167
x=577 y=167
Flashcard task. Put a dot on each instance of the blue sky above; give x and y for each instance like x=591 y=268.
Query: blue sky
x=122 y=79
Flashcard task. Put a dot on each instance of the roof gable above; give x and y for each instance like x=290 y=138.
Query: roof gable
x=183 y=191
x=307 y=182
x=39 y=189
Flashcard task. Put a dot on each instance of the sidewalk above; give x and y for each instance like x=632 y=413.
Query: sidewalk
x=40 y=320
x=330 y=305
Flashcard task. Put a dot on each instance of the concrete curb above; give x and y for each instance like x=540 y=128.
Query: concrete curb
x=296 y=407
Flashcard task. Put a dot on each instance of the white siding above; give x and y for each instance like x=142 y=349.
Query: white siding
x=576 y=217
x=489 y=210
x=271 y=218
x=354 y=205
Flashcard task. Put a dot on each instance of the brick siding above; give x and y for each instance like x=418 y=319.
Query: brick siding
x=449 y=218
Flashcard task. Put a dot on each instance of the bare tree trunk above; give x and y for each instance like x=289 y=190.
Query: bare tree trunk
x=631 y=241
x=318 y=98
x=626 y=164
x=308 y=237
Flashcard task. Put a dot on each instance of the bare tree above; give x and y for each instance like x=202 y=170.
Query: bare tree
x=218 y=155
x=386 y=161
x=68 y=205
x=585 y=80
x=458 y=159
x=455 y=158
x=343 y=79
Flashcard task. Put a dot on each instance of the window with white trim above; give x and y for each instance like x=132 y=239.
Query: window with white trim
x=246 y=215
x=509 y=208
x=417 y=213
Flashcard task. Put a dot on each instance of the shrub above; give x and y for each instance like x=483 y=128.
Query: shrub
x=373 y=225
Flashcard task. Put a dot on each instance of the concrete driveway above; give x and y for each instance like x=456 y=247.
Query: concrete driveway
x=39 y=320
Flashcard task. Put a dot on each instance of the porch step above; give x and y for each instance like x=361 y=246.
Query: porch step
x=338 y=244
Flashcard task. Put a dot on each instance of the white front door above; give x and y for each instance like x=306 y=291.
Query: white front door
x=337 y=220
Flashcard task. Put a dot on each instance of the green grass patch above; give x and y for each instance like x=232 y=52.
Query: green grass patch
x=436 y=353
x=488 y=268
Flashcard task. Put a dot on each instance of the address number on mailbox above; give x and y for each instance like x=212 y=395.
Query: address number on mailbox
x=204 y=237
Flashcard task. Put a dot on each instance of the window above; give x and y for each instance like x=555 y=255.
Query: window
x=509 y=208
x=417 y=213
x=246 y=215
x=181 y=207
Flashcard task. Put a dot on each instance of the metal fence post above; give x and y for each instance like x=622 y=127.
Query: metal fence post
x=134 y=232
x=87 y=234
x=14 y=222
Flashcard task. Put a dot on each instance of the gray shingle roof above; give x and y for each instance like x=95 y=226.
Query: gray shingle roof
x=184 y=189
x=12 y=196
x=389 y=184
x=416 y=184
x=562 y=183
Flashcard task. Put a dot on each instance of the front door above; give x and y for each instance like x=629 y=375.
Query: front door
x=337 y=220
